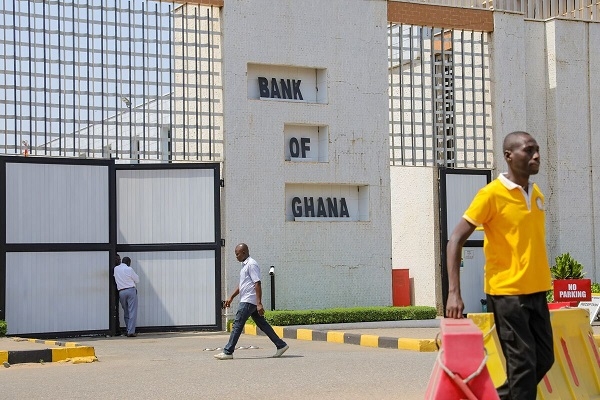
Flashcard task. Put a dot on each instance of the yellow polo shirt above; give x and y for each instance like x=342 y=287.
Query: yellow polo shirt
x=515 y=237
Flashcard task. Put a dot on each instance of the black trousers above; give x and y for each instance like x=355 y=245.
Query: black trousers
x=525 y=333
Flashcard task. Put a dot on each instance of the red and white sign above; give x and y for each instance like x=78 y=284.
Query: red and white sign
x=572 y=290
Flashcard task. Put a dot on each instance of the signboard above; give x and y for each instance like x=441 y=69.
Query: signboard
x=572 y=290
x=592 y=306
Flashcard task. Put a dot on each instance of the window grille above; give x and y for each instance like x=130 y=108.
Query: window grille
x=124 y=79
x=439 y=97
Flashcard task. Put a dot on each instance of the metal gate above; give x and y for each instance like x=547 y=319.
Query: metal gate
x=63 y=222
x=457 y=189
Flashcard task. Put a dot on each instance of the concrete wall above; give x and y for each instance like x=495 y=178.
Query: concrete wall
x=544 y=83
x=415 y=231
x=318 y=264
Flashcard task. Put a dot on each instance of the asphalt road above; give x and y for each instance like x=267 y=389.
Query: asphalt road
x=168 y=366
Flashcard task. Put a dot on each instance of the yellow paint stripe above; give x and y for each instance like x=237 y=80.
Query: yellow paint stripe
x=369 y=340
x=250 y=329
x=64 y=353
x=335 y=337
x=417 y=344
x=51 y=342
x=71 y=344
x=278 y=330
x=3 y=356
x=304 y=334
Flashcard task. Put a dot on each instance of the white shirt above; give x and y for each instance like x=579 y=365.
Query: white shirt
x=125 y=276
x=249 y=275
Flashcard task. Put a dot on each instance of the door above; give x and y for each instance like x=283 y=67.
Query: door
x=457 y=189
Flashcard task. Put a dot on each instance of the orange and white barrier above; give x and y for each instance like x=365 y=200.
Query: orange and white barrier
x=460 y=371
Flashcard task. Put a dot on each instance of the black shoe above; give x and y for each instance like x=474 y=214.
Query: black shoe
x=131 y=334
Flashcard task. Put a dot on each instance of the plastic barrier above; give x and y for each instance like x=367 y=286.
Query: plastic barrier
x=460 y=370
x=576 y=370
x=496 y=363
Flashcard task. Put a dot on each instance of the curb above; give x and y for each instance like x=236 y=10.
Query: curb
x=66 y=351
x=421 y=345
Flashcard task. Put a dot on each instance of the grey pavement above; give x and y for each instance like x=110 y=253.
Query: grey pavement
x=181 y=365
x=177 y=365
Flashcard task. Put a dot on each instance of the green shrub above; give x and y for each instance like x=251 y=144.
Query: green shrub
x=346 y=315
x=595 y=287
x=2 y=328
x=567 y=268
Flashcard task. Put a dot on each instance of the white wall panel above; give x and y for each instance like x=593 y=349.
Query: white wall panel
x=316 y=262
x=175 y=289
x=569 y=117
x=594 y=65
x=57 y=292
x=415 y=234
x=52 y=203
x=165 y=206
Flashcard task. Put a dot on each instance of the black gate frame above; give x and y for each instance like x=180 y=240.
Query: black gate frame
x=443 y=172
x=111 y=246
x=215 y=245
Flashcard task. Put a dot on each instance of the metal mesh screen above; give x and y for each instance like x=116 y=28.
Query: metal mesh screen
x=123 y=79
x=440 y=112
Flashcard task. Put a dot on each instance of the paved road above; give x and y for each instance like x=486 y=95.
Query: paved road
x=161 y=366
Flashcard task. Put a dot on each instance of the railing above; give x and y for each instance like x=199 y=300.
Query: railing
x=586 y=10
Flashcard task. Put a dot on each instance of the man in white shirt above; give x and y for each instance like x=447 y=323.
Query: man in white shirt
x=126 y=279
x=250 y=292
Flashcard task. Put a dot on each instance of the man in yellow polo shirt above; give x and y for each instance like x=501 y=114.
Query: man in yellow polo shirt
x=517 y=273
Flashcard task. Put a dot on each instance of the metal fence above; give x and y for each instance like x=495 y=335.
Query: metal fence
x=586 y=10
x=122 y=79
x=439 y=96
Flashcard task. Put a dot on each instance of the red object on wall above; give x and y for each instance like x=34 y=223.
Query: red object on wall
x=400 y=288
x=572 y=290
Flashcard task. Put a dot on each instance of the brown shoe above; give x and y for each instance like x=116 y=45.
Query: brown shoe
x=131 y=334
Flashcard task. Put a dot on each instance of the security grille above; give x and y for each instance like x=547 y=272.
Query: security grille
x=439 y=97
x=121 y=79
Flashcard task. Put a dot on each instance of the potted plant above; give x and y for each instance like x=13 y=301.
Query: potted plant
x=569 y=284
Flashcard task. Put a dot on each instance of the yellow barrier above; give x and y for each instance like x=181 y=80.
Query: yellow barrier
x=496 y=363
x=576 y=370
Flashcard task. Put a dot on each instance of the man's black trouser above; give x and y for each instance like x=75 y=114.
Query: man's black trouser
x=525 y=334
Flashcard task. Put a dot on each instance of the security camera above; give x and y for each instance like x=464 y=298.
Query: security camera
x=272 y=270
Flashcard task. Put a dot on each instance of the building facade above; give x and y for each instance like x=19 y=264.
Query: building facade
x=333 y=121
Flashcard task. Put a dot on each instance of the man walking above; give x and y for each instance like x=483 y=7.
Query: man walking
x=517 y=274
x=126 y=279
x=250 y=291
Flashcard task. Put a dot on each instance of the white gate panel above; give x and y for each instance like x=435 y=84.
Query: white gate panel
x=471 y=279
x=460 y=190
x=56 y=203
x=176 y=288
x=165 y=206
x=56 y=291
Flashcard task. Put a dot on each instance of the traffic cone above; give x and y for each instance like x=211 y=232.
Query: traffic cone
x=460 y=370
